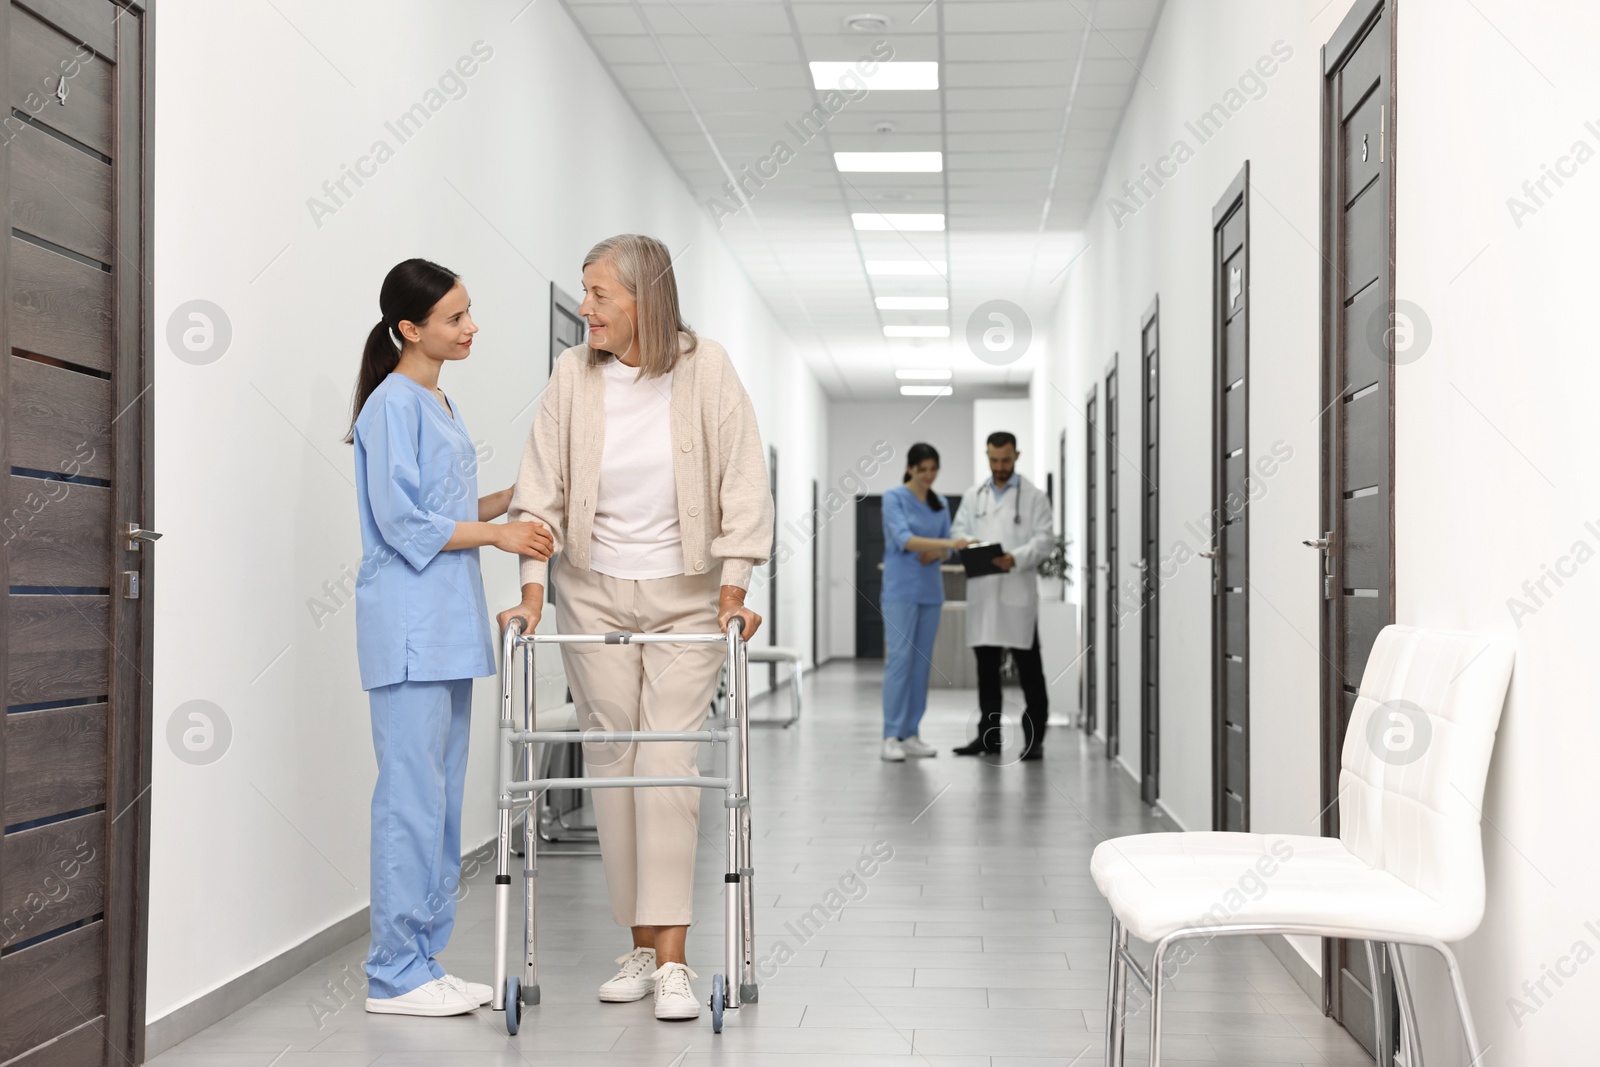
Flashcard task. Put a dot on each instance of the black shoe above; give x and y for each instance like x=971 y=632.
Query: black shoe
x=1033 y=753
x=976 y=748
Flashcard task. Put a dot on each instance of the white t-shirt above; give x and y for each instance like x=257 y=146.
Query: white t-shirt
x=636 y=533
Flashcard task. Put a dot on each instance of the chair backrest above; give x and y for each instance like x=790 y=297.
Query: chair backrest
x=1416 y=757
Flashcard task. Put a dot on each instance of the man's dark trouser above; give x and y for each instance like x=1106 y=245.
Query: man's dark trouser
x=1036 y=709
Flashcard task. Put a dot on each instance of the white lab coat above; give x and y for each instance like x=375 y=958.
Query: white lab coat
x=1002 y=609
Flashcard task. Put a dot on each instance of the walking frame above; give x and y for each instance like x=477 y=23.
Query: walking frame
x=730 y=730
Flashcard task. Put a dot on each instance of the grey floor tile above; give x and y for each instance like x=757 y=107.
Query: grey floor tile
x=981 y=943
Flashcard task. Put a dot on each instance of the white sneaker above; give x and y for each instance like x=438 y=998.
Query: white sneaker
x=476 y=992
x=634 y=981
x=674 y=995
x=916 y=748
x=437 y=997
x=893 y=751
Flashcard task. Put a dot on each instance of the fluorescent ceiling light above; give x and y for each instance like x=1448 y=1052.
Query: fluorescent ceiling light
x=906 y=267
x=930 y=373
x=890 y=162
x=916 y=331
x=896 y=76
x=870 y=220
x=913 y=303
x=925 y=390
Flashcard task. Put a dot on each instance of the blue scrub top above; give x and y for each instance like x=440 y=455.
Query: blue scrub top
x=905 y=578
x=420 y=611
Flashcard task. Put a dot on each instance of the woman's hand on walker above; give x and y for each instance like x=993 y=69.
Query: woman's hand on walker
x=529 y=611
x=731 y=604
x=525 y=539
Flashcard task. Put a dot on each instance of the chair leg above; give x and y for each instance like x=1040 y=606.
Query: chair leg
x=1116 y=995
x=1410 y=1039
x=1157 y=963
x=1380 y=1014
x=1470 y=1032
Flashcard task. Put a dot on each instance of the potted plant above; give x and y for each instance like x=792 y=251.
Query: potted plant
x=1055 y=570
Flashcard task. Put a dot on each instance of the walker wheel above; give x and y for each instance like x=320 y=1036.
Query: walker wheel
x=716 y=1003
x=513 y=1005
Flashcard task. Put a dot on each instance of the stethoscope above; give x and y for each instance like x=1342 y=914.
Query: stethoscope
x=1016 y=517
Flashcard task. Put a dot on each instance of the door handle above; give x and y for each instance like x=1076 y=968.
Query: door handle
x=1137 y=564
x=134 y=534
x=1209 y=553
x=1324 y=544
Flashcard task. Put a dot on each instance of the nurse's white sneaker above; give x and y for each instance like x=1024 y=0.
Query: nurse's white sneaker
x=674 y=995
x=916 y=748
x=437 y=997
x=634 y=981
x=893 y=751
x=476 y=992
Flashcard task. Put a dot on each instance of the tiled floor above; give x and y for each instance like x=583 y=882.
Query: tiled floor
x=980 y=943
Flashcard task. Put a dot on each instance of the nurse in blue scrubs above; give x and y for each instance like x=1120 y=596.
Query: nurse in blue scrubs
x=422 y=626
x=916 y=540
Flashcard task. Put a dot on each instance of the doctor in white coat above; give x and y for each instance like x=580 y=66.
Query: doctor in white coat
x=1003 y=609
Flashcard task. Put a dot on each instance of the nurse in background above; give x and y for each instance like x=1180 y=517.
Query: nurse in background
x=916 y=539
x=422 y=626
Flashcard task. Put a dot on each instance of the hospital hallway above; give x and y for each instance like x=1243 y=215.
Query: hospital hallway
x=1219 y=370
x=981 y=942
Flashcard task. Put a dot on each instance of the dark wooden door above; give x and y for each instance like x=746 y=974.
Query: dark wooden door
x=1230 y=465
x=1150 y=560
x=816 y=575
x=1356 y=541
x=1091 y=562
x=76 y=656
x=567 y=327
x=869 y=577
x=1113 y=621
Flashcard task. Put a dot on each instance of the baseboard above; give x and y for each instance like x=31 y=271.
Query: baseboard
x=1305 y=977
x=184 y=1022
x=1166 y=813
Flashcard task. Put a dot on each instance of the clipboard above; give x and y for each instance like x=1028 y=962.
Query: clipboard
x=978 y=559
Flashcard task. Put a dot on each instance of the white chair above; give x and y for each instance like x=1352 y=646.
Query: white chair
x=781 y=654
x=1406 y=869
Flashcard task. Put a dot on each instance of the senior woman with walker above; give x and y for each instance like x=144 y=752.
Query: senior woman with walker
x=646 y=464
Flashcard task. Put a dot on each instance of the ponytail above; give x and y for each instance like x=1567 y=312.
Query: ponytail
x=409 y=293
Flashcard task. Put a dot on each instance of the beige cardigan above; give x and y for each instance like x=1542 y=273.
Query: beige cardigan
x=725 y=510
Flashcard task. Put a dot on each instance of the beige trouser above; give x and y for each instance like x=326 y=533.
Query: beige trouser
x=647 y=836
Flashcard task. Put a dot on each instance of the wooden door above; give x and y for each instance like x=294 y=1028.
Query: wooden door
x=76 y=656
x=1230 y=465
x=1356 y=541
x=869 y=577
x=567 y=327
x=1150 y=559
x=1091 y=562
x=1113 y=621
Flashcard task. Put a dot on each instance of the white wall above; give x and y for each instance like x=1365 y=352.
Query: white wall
x=1495 y=435
x=509 y=184
x=855 y=430
x=1495 y=442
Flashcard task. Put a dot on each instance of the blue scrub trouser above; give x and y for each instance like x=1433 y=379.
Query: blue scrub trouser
x=420 y=732
x=908 y=633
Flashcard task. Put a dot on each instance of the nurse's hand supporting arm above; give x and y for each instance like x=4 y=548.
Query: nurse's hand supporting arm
x=518 y=538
